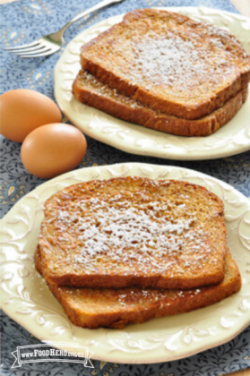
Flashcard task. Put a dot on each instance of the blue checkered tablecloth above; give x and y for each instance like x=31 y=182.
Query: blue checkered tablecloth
x=22 y=22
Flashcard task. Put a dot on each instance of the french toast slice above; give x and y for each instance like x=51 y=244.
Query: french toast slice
x=169 y=62
x=93 y=308
x=91 y=91
x=133 y=231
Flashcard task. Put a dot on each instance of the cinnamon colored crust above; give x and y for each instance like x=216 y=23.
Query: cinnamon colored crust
x=93 y=308
x=169 y=62
x=133 y=231
x=91 y=91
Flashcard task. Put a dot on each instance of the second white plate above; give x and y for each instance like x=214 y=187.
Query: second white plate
x=27 y=300
x=233 y=138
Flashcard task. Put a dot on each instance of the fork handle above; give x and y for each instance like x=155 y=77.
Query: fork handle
x=101 y=5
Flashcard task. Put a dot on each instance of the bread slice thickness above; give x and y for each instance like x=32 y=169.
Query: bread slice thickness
x=169 y=62
x=91 y=91
x=133 y=231
x=93 y=308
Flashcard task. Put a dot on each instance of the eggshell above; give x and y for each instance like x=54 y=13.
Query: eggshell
x=53 y=149
x=24 y=110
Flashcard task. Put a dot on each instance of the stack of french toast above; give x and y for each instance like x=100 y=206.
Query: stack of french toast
x=130 y=249
x=165 y=71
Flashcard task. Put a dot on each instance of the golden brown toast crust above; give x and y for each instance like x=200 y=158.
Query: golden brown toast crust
x=133 y=231
x=169 y=62
x=93 y=308
x=91 y=91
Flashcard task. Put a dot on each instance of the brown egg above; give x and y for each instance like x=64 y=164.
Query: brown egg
x=53 y=149
x=24 y=110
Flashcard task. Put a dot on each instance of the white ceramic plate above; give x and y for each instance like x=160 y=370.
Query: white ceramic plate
x=234 y=138
x=26 y=298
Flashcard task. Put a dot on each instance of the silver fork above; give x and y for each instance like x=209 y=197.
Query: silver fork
x=51 y=43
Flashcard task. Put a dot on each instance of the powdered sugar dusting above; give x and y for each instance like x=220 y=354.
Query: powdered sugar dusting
x=171 y=56
x=166 y=61
x=124 y=227
x=136 y=230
